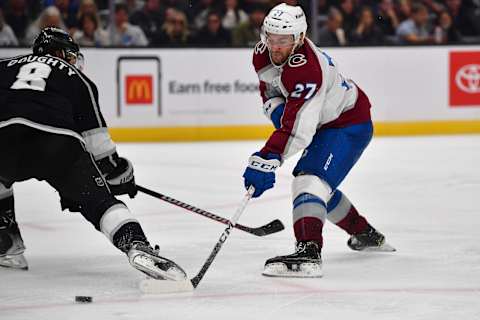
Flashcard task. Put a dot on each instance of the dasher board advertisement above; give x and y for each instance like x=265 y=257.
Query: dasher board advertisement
x=139 y=86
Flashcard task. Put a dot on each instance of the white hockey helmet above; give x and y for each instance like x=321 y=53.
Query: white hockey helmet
x=285 y=19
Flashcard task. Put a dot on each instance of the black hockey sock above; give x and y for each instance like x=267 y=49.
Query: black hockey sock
x=7 y=212
x=127 y=234
x=7 y=223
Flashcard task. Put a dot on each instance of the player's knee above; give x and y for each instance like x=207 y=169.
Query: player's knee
x=313 y=185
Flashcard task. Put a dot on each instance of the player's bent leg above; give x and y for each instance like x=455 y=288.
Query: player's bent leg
x=87 y=192
x=363 y=237
x=118 y=224
x=11 y=242
x=310 y=194
x=342 y=213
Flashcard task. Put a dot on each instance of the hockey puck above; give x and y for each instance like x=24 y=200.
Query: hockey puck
x=83 y=299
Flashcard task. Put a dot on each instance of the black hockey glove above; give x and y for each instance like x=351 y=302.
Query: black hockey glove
x=119 y=175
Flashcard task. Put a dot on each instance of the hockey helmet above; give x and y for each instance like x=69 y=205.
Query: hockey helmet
x=285 y=20
x=54 y=41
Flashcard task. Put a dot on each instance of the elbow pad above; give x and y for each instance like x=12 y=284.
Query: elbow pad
x=99 y=143
x=273 y=109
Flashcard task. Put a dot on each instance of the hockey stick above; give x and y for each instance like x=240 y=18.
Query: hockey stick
x=272 y=227
x=155 y=286
x=223 y=237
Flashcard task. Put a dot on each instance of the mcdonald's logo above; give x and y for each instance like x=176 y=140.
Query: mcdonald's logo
x=139 y=89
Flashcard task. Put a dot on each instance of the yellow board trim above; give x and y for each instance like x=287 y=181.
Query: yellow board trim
x=252 y=132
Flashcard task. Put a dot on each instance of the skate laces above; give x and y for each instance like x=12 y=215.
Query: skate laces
x=306 y=247
x=369 y=236
x=6 y=222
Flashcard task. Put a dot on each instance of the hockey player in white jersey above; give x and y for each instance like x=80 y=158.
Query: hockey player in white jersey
x=317 y=111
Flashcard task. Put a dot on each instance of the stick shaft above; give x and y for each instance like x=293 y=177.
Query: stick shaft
x=223 y=237
x=260 y=231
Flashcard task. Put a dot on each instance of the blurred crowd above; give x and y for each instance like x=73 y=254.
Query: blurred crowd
x=237 y=23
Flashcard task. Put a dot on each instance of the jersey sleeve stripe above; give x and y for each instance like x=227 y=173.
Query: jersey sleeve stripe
x=92 y=98
x=42 y=127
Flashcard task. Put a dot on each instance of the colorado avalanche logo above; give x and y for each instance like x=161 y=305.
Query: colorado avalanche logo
x=260 y=47
x=297 y=60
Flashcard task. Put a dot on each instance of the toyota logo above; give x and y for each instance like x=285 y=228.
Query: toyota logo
x=468 y=78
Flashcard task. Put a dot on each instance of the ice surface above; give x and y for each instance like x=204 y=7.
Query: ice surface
x=420 y=192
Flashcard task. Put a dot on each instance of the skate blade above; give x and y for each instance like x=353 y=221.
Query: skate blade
x=305 y=270
x=383 y=248
x=168 y=270
x=153 y=286
x=14 y=262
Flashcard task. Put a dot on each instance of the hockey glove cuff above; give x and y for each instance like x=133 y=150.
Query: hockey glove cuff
x=260 y=172
x=118 y=172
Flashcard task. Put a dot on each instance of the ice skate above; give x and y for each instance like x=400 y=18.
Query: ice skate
x=306 y=262
x=144 y=258
x=12 y=248
x=369 y=240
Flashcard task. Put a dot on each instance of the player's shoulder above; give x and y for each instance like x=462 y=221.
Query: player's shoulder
x=261 y=58
x=9 y=61
x=303 y=66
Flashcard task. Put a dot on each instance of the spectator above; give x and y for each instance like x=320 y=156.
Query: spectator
x=463 y=18
x=387 y=19
x=126 y=34
x=133 y=6
x=87 y=6
x=445 y=31
x=247 y=34
x=347 y=9
x=49 y=17
x=7 y=37
x=332 y=33
x=404 y=10
x=68 y=14
x=366 y=32
x=323 y=7
x=233 y=15
x=200 y=13
x=16 y=17
x=213 y=34
x=150 y=18
x=433 y=6
x=174 y=31
x=415 y=30
x=180 y=5
x=90 y=34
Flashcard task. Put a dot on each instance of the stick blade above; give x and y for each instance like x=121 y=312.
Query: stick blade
x=153 y=286
x=272 y=227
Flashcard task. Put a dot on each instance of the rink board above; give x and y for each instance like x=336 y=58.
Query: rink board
x=212 y=94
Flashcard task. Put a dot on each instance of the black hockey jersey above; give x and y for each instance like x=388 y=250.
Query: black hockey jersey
x=49 y=94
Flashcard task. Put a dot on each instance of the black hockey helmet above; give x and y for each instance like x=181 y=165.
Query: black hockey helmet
x=56 y=42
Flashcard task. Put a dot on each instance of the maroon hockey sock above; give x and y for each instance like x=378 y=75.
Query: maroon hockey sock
x=342 y=213
x=353 y=223
x=309 y=229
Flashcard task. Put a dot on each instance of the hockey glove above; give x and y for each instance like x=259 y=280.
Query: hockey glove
x=260 y=172
x=119 y=175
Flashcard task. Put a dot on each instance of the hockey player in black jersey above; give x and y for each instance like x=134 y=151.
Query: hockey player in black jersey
x=52 y=129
